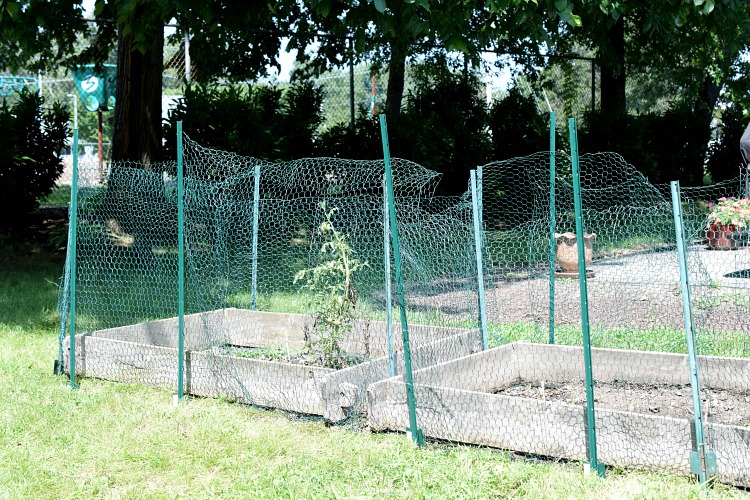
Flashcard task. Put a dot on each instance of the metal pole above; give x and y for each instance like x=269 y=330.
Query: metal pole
x=65 y=308
x=188 y=69
x=416 y=433
x=388 y=290
x=351 y=83
x=591 y=418
x=256 y=214
x=180 y=266
x=480 y=176
x=74 y=98
x=72 y=244
x=478 y=251
x=593 y=85
x=552 y=215
x=702 y=463
x=100 y=143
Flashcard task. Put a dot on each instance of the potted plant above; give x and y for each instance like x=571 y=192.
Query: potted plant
x=728 y=216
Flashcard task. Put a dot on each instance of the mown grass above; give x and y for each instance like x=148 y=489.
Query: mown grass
x=112 y=440
x=59 y=197
x=658 y=339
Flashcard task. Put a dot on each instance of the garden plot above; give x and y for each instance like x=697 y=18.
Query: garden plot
x=147 y=353
x=530 y=398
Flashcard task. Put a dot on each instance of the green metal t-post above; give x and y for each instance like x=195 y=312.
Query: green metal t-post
x=475 y=203
x=72 y=243
x=256 y=215
x=552 y=215
x=416 y=433
x=180 y=267
x=702 y=462
x=480 y=177
x=590 y=414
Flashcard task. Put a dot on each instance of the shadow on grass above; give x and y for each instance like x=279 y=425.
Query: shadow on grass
x=28 y=287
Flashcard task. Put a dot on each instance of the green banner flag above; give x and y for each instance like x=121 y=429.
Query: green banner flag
x=96 y=87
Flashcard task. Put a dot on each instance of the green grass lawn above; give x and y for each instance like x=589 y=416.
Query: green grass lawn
x=59 y=197
x=112 y=440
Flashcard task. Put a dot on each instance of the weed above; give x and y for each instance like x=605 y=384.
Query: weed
x=335 y=296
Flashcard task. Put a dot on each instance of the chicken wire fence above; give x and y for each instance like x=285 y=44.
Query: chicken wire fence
x=285 y=278
x=291 y=300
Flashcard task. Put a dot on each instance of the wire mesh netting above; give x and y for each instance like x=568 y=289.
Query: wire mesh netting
x=717 y=220
x=285 y=278
x=291 y=300
x=525 y=393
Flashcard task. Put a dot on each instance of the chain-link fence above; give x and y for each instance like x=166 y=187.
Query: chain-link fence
x=566 y=85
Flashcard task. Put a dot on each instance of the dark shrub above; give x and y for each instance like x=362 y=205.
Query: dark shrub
x=664 y=147
x=362 y=143
x=518 y=128
x=251 y=120
x=724 y=159
x=443 y=125
x=31 y=140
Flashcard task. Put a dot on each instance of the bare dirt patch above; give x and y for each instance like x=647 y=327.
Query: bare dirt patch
x=667 y=400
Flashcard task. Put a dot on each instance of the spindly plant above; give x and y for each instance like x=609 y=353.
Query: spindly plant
x=332 y=285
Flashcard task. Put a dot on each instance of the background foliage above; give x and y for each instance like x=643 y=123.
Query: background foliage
x=263 y=121
x=31 y=142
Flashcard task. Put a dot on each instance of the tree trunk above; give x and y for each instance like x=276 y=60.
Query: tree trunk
x=396 y=76
x=706 y=102
x=612 y=62
x=703 y=110
x=137 y=137
x=137 y=132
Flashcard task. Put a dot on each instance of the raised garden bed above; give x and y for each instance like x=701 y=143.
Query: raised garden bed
x=529 y=398
x=215 y=367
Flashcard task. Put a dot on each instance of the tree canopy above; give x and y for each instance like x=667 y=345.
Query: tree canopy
x=696 y=45
x=391 y=32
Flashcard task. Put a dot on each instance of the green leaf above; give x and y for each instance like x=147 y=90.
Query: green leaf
x=13 y=8
x=380 y=5
x=324 y=8
x=458 y=44
x=571 y=19
x=99 y=7
x=425 y=4
x=697 y=2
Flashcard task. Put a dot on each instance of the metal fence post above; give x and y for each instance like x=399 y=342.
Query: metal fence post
x=593 y=85
x=72 y=245
x=256 y=216
x=702 y=462
x=180 y=266
x=414 y=432
x=351 y=84
x=590 y=413
x=475 y=204
x=552 y=215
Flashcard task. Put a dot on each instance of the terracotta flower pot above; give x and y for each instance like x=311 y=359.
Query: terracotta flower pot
x=567 y=250
x=719 y=236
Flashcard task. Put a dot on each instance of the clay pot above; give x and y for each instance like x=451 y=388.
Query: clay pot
x=567 y=250
x=719 y=237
